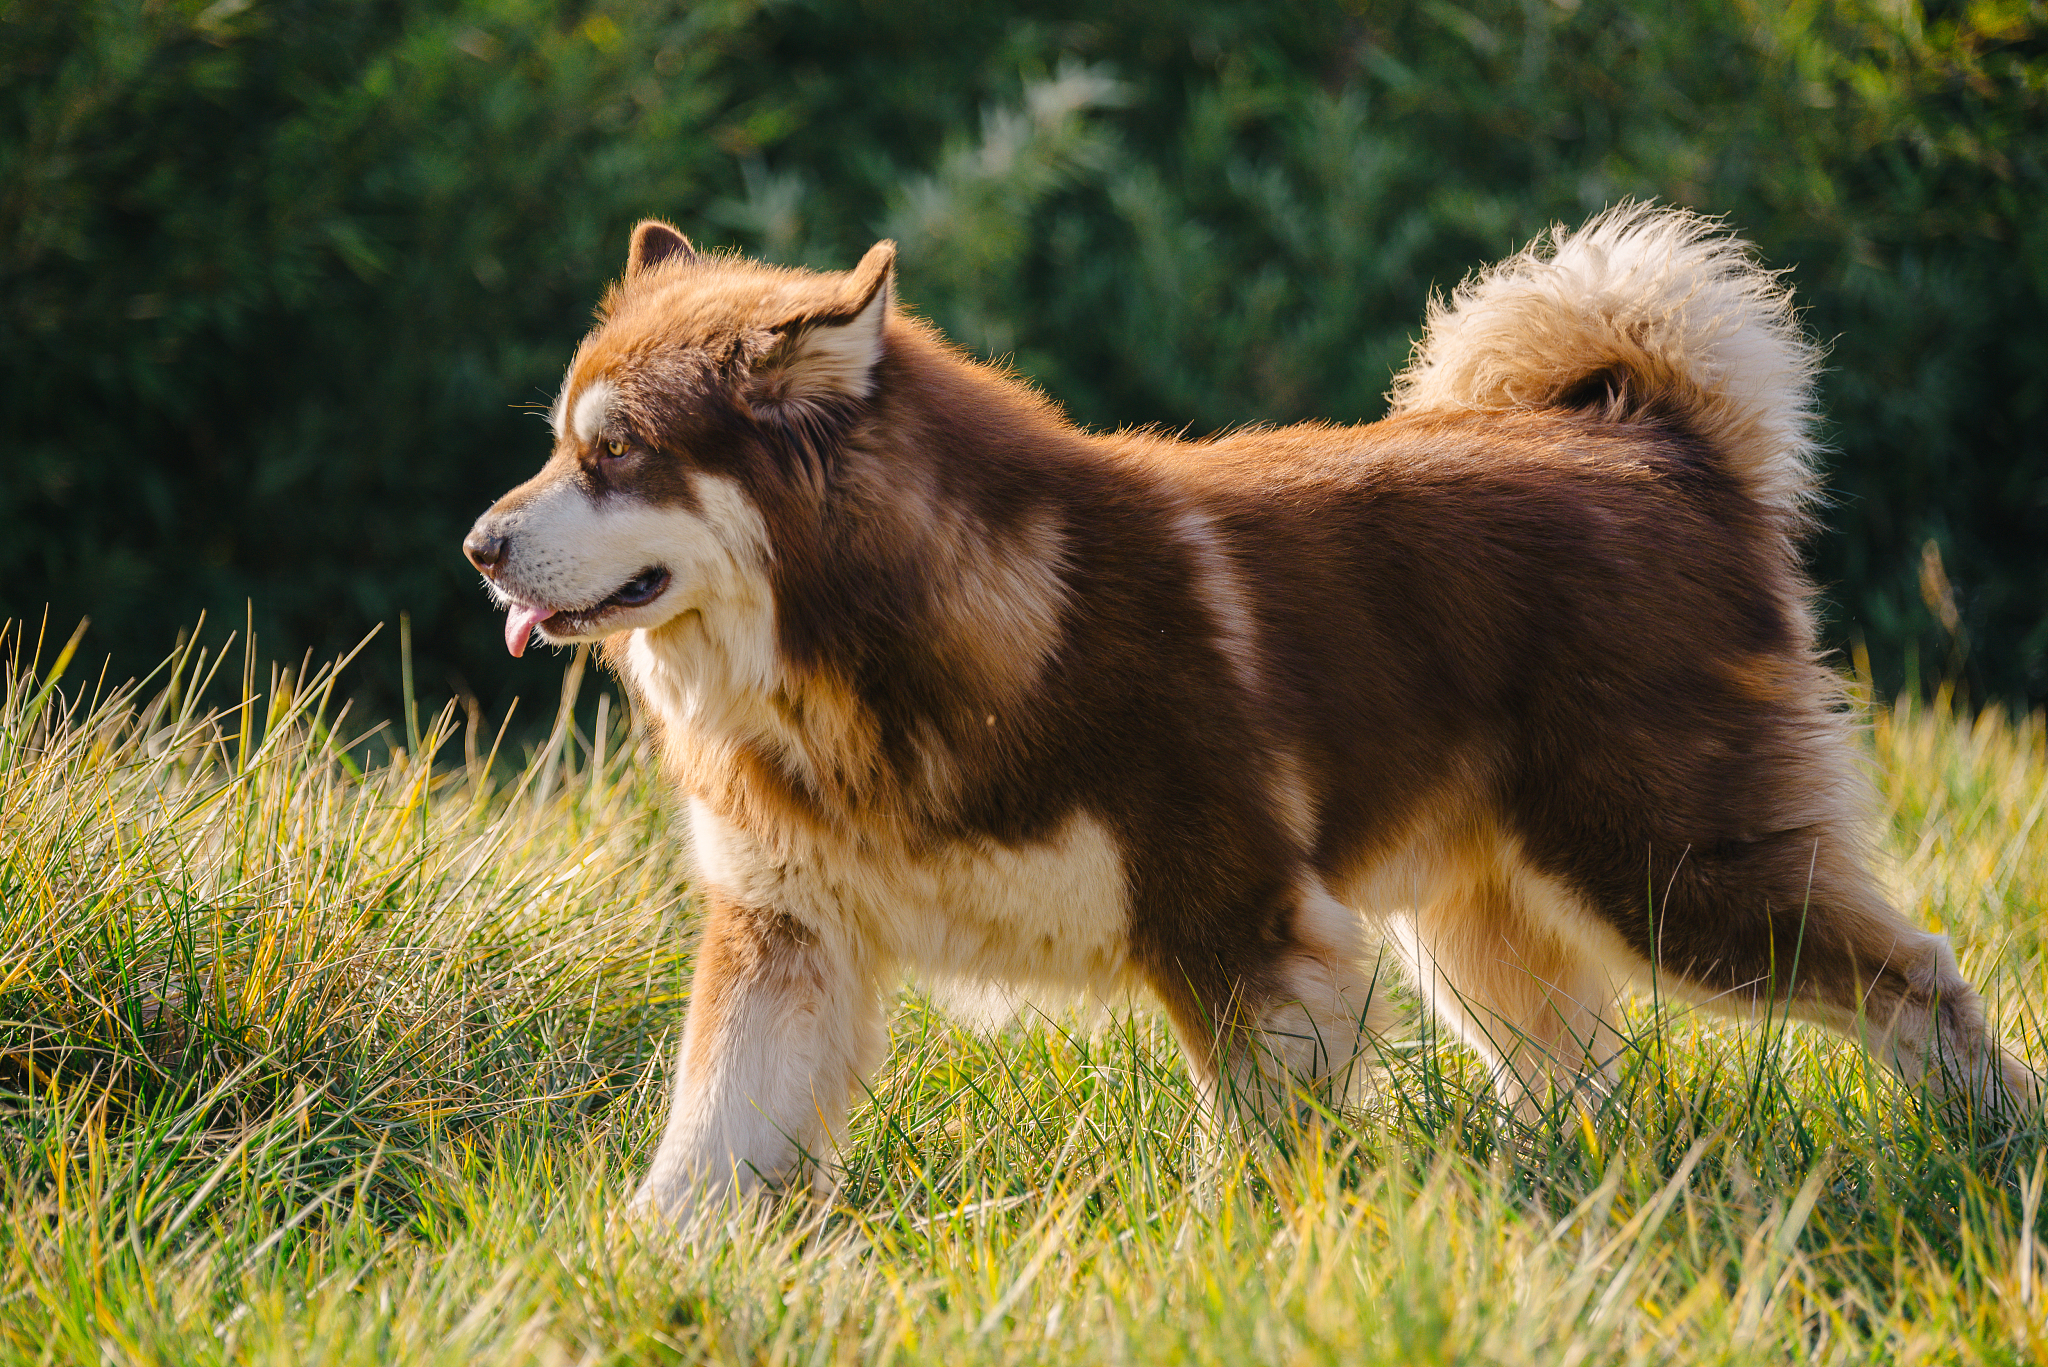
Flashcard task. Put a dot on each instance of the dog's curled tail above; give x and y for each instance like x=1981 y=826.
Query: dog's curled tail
x=1644 y=313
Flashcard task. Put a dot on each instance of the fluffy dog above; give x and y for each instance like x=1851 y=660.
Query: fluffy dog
x=1520 y=681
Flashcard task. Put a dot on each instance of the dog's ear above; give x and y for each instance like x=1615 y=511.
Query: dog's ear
x=655 y=242
x=832 y=354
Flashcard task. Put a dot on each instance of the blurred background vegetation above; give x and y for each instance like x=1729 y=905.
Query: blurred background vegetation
x=280 y=280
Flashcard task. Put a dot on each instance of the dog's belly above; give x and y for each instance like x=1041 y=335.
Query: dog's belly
x=1054 y=913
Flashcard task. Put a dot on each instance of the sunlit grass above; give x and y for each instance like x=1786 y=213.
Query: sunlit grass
x=306 y=1060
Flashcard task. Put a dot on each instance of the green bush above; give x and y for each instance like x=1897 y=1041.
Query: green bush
x=274 y=276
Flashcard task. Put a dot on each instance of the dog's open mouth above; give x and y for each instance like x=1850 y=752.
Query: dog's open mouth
x=642 y=589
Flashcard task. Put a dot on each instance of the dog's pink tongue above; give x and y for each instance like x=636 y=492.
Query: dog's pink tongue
x=519 y=625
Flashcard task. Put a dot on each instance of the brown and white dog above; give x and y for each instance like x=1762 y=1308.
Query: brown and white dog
x=1520 y=680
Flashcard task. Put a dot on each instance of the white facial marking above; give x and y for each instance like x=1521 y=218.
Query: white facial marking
x=557 y=409
x=712 y=671
x=569 y=552
x=592 y=407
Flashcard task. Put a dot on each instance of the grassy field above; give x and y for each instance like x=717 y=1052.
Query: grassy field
x=303 y=1060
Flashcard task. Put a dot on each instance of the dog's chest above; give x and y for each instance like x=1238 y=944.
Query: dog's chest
x=1053 y=912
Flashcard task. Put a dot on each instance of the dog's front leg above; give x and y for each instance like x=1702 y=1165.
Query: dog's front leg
x=783 y=1024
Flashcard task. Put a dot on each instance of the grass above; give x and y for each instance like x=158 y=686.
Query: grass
x=304 y=1059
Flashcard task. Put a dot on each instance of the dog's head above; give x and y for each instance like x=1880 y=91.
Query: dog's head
x=710 y=386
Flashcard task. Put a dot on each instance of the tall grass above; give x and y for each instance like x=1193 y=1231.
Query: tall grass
x=305 y=1059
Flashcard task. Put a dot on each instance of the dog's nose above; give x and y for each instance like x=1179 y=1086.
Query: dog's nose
x=484 y=549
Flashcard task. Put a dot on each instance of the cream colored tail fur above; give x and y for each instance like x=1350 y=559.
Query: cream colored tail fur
x=1665 y=310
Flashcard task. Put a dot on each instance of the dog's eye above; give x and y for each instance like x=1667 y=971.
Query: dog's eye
x=617 y=448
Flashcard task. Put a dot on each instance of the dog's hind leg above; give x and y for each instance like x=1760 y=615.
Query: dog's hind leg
x=1297 y=1023
x=1925 y=1020
x=1315 y=1026
x=1516 y=980
x=1794 y=921
x=781 y=1029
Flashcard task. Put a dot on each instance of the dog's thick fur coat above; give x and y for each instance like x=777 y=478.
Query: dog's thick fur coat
x=1520 y=681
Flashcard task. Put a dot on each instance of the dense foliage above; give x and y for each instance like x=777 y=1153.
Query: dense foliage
x=276 y=276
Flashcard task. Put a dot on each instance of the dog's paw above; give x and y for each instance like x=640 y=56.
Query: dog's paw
x=2023 y=1093
x=677 y=1206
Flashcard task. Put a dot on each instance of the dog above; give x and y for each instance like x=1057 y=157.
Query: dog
x=1519 y=682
